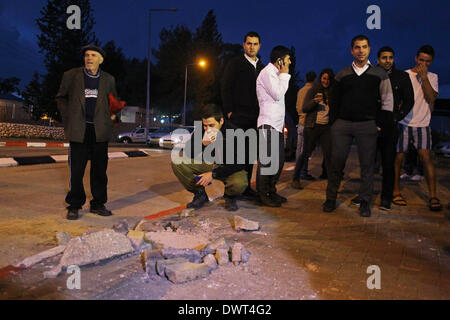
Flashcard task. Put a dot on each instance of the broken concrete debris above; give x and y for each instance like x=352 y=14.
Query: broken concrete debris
x=162 y=264
x=121 y=227
x=92 y=248
x=210 y=261
x=192 y=255
x=212 y=247
x=186 y=213
x=222 y=256
x=63 y=238
x=245 y=224
x=187 y=271
x=136 y=238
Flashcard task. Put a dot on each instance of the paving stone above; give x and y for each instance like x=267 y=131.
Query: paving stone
x=213 y=246
x=192 y=255
x=63 y=238
x=210 y=261
x=236 y=253
x=222 y=256
x=162 y=264
x=187 y=271
x=149 y=258
x=121 y=227
x=245 y=224
x=92 y=248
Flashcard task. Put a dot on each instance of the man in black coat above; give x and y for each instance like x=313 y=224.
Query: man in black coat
x=240 y=104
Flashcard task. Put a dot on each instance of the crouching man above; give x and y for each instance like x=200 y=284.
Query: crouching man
x=196 y=169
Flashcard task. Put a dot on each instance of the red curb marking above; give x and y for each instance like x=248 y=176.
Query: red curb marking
x=15 y=144
x=6 y=271
x=165 y=212
x=54 y=144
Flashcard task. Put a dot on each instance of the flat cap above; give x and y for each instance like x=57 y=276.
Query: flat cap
x=93 y=48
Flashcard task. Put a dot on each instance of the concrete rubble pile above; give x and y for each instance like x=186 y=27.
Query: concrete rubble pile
x=164 y=248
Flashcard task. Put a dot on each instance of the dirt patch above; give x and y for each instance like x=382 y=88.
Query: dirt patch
x=21 y=238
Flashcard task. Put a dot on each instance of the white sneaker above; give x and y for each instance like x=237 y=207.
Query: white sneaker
x=417 y=177
x=405 y=176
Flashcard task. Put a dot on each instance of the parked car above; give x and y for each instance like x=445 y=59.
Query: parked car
x=170 y=140
x=137 y=135
x=153 y=137
x=443 y=148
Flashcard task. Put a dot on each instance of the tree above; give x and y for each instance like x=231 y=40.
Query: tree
x=9 y=85
x=32 y=95
x=61 y=46
x=115 y=63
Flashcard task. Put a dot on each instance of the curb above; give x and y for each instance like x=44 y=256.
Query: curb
x=34 y=144
x=24 y=161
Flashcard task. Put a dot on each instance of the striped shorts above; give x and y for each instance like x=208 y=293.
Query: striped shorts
x=419 y=137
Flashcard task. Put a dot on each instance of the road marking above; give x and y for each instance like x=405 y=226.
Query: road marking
x=8 y=162
x=36 y=144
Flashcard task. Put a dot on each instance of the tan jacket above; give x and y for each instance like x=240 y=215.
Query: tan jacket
x=301 y=100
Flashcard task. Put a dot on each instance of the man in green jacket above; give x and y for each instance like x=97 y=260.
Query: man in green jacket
x=83 y=103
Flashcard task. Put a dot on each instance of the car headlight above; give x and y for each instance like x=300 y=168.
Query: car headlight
x=161 y=140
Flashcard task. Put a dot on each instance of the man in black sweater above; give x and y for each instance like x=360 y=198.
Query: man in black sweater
x=199 y=167
x=387 y=138
x=354 y=107
x=240 y=104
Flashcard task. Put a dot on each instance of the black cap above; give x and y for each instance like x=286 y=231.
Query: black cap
x=93 y=48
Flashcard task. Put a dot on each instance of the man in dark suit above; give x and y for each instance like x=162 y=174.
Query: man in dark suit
x=239 y=100
x=83 y=103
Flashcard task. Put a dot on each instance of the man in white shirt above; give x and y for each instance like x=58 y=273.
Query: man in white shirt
x=271 y=86
x=415 y=127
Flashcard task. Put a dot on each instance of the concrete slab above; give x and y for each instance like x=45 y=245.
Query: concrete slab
x=117 y=155
x=60 y=158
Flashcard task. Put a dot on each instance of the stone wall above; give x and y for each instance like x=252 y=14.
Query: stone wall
x=16 y=130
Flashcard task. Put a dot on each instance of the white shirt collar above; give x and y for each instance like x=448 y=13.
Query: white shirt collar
x=359 y=71
x=253 y=62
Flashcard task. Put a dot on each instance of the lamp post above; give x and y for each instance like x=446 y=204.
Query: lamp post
x=149 y=53
x=201 y=63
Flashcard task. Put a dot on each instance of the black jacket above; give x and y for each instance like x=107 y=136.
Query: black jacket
x=224 y=170
x=310 y=107
x=238 y=89
x=403 y=93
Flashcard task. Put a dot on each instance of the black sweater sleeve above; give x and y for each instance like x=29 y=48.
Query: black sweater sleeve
x=407 y=96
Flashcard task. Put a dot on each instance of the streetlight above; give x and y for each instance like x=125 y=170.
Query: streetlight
x=149 y=53
x=200 y=63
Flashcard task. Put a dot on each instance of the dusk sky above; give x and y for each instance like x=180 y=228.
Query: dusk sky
x=319 y=30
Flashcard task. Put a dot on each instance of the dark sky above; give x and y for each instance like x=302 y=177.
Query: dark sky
x=319 y=30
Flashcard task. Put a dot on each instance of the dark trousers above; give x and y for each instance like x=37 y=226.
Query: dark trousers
x=342 y=134
x=320 y=132
x=267 y=183
x=79 y=154
x=387 y=145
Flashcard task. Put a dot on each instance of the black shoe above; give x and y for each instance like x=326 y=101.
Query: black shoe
x=385 y=205
x=329 y=206
x=230 y=204
x=250 y=194
x=356 y=201
x=266 y=200
x=200 y=198
x=277 y=197
x=101 y=211
x=308 y=177
x=364 y=209
x=296 y=184
x=72 y=213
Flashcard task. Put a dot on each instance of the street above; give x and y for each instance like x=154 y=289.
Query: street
x=299 y=253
